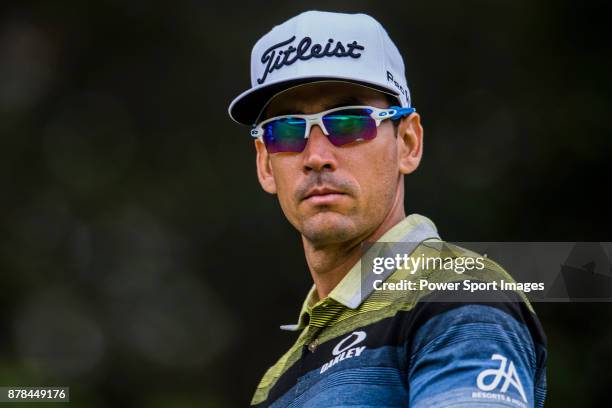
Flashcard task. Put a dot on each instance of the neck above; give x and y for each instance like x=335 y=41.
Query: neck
x=329 y=264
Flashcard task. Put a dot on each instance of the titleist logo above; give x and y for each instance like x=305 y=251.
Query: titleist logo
x=275 y=58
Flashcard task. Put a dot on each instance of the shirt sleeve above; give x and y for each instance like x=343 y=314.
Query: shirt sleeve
x=477 y=355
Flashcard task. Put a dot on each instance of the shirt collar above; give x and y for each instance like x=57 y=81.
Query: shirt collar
x=348 y=292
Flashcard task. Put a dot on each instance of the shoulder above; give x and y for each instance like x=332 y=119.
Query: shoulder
x=477 y=295
x=455 y=338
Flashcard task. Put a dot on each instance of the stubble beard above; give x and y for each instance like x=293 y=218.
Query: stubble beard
x=329 y=228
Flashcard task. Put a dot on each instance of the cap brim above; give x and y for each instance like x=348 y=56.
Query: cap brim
x=248 y=106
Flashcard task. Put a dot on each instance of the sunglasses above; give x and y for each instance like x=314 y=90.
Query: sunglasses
x=343 y=125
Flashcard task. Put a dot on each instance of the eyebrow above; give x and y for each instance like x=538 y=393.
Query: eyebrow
x=348 y=101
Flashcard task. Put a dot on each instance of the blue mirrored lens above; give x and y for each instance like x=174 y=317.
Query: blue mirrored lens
x=285 y=135
x=350 y=125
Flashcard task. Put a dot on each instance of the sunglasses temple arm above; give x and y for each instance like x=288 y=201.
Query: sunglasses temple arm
x=401 y=112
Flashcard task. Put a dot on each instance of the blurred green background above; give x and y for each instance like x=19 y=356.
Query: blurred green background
x=129 y=199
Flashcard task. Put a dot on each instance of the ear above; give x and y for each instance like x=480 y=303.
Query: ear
x=264 y=168
x=410 y=143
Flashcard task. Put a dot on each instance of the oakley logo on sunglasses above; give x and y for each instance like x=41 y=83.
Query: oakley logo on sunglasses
x=276 y=59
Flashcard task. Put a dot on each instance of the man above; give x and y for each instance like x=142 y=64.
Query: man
x=335 y=134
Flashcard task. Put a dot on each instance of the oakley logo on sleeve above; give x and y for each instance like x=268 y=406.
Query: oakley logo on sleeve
x=275 y=58
x=345 y=349
x=506 y=371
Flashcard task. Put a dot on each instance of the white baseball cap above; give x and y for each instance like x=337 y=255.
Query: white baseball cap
x=321 y=46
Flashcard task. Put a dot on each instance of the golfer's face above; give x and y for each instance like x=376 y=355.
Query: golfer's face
x=334 y=194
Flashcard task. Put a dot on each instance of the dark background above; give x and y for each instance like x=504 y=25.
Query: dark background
x=142 y=265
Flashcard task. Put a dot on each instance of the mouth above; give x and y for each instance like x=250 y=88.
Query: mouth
x=323 y=196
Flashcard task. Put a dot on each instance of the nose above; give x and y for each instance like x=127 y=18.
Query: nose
x=319 y=154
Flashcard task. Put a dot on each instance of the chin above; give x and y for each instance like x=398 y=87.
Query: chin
x=328 y=227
